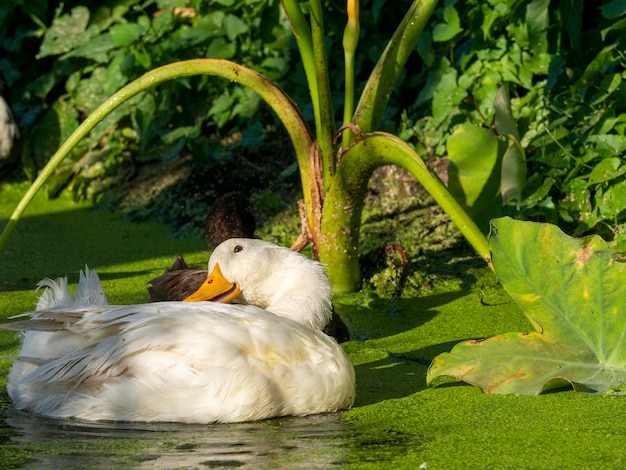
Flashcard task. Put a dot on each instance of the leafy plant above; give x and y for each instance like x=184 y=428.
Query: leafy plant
x=483 y=173
x=64 y=59
x=334 y=177
x=573 y=291
x=564 y=66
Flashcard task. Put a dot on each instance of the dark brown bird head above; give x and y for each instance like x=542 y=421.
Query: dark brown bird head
x=230 y=217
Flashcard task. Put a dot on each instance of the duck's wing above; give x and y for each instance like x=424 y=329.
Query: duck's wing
x=232 y=362
x=42 y=321
x=176 y=283
x=71 y=346
x=47 y=336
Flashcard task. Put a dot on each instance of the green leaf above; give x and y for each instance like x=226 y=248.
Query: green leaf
x=612 y=201
x=513 y=175
x=425 y=48
x=180 y=133
x=537 y=22
x=607 y=169
x=577 y=196
x=221 y=108
x=617 y=26
x=96 y=49
x=596 y=68
x=66 y=33
x=204 y=29
x=447 y=93
x=234 y=27
x=248 y=102
x=573 y=291
x=572 y=22
x=609 y=144
x=445 y=31
x=219 y=48
x=473 y=173
x=505 y=123
x=125 y=34
x=536 y=192
x=613 y=9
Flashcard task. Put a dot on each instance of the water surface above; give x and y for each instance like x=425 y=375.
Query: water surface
x=312 y=442
x=320 y=441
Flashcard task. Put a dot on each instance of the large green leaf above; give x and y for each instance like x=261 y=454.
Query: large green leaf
x=474 y=172
x=573 y=291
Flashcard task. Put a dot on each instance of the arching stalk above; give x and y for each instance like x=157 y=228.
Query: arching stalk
x=339 y=245
x=284 y=107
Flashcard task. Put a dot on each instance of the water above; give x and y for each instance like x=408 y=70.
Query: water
x=296 y=442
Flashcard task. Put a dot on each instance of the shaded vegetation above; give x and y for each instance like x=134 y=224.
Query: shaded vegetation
x=562 y=62
x=564 y=66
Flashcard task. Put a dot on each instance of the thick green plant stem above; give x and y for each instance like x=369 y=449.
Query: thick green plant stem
x=284 y=107
x=339 y=245
x=383 y=78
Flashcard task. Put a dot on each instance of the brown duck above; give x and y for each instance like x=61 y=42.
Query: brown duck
x=230 y=217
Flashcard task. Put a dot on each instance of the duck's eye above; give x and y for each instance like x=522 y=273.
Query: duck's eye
x=237 y=248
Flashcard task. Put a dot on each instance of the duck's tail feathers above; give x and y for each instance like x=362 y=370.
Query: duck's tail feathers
x=57 y=293
x=89 y=290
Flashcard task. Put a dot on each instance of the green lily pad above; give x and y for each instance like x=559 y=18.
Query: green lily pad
x=573 y=291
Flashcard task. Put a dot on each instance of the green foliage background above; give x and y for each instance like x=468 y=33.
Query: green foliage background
x=82 y=52
x=564 y=64
x=562 y=61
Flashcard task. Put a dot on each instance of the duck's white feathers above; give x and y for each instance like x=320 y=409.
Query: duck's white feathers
x=57 y=293
x=173 y=361
x=281 y=280
x=144 y=363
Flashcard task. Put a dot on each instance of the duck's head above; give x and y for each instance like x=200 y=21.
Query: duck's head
x=230 y=217
x=282 y=281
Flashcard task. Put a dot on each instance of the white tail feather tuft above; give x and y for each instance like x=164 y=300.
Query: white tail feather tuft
x=57 y=293
x=89 y=290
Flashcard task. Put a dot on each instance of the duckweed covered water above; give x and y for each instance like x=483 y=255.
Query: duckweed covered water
x=398 y=422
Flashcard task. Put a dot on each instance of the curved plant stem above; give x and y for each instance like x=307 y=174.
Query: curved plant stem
x=286 y=110
x=339 y=245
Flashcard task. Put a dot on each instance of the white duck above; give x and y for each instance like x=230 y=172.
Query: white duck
x=199 y=362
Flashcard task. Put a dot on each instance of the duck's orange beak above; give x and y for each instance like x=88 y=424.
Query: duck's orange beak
x=216 y=288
